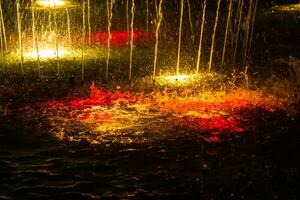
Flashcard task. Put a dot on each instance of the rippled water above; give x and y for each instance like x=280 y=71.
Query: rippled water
x=34 y=165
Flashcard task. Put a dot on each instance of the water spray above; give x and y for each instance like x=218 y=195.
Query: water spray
x=2 y=49
x=19 y=21
x=131 y=38
x=89 y=21
x=213 y=37
x=191 y=21
x=180 y=34
x=147 y=16
x=247 y=32
x=69 y=25
x=83 y=41
x=34 y=38
x=226 y=32
x=252 y=27
x=159 y=19
x=3 y=27
x=109 y=6
x=201 y=36
x=240 y=11
x=56 y=43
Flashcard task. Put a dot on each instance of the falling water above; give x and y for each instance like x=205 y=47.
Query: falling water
x=127 y=17
x=180 y=34
x=147 y=16
x=213 y=37
x=2 y=49
x=191 y=21
x=83 y=41
x=159 y=19
x=89 y=21
x=20 y=35
x=34 y=38
x=252 y=27
x=131 y=38
x=245 y=44
x=56 y=43
x=69 y=25
x=50 y=17
x=201 y=36
x=240 y=11
x=226 y=32
x=109 y=4
x=3 y=27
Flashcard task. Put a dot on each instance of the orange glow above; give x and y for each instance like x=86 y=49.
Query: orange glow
x=112 y=114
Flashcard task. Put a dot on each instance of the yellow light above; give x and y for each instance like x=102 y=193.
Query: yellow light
x=182 y=79
x=187 y=79
x=51 y=3
x=177 y=78
x=287 y=8
x=46 y=53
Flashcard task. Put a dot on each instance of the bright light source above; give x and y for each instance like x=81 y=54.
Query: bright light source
x=52 y=3
x=46 y=53
x=177 y=78
x=187 y=79
x=182 y=79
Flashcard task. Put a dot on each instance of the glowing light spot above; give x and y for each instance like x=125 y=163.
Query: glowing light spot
x=179 y=78
x=182 y=79
x=187 y=79
x=47 y=53
x=51 y=3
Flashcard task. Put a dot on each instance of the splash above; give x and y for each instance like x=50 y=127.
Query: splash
x=119 y=116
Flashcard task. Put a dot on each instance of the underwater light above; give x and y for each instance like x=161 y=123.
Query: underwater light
x=46 y=53
x=177 y=78
x=181 y=79
x=52 y=3
x=187 y=79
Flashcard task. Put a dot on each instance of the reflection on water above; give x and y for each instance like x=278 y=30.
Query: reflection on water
x=34 y=165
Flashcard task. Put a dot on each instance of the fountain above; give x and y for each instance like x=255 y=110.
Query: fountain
x=191 y=21
x=2 y=27
x=89 y=21
x=83 y=41
x=213 y=37
x=69 y=25
x=147 y=15
x=240 y=14
x=201 y=36
x=56 y=39
x=179 y=39
x=121 y=106
x=226 y=32
x=252 y=27
x=2 y=51
x=247 y=32
x=127 y=18
x=20 y=36
x=56 y=43
x=131 y=37
x=35 y=43
x=158 y=24
x=110 y=4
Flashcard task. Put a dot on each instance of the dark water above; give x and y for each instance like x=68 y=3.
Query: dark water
x=262 y=165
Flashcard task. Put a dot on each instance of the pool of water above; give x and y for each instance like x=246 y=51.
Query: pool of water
x=262 y=165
